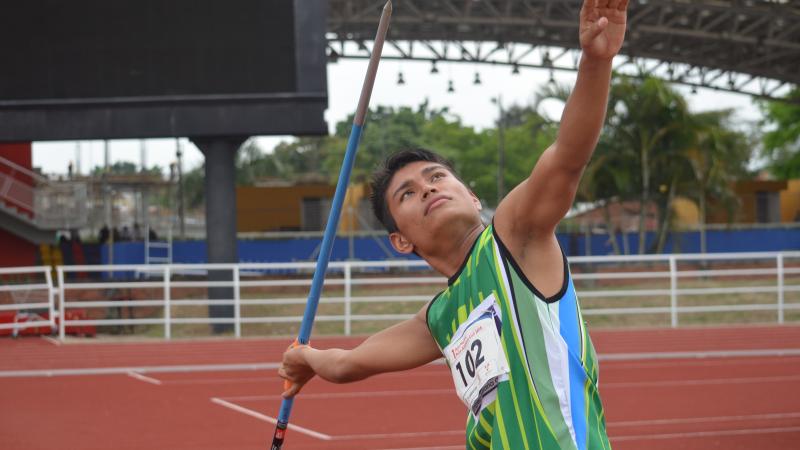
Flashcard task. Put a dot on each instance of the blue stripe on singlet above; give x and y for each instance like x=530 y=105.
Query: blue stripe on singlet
x=570 y=331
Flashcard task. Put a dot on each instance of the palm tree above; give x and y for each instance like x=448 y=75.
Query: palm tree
x=718 y=157
x=649 y=119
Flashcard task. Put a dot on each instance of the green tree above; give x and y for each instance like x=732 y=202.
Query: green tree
x=387 y=129
x=653 y=150
x=782 y=141
x=648 y=119
x=718 y=157
x=125 y=168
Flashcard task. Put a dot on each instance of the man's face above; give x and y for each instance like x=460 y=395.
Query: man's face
x=424 y=196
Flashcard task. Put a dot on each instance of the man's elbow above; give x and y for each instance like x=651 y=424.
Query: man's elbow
x=347 y=371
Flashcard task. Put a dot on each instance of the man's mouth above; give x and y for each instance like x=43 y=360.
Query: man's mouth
x=435 y=203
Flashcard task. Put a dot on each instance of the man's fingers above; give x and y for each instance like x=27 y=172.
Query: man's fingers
x=596 y=28
x=293 y=390
x=622 y=5
x=588 y=6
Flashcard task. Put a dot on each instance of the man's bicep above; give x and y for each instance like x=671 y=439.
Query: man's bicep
x=539 y=203
x=403 y=346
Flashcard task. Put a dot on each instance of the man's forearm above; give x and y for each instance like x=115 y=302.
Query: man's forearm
x=584 y=113
x=331 y=365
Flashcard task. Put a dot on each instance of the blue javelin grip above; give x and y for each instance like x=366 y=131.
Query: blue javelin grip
x=335 y=213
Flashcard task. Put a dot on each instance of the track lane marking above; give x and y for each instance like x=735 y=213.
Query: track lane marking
x=357 y=394
x=144 y=378
x=699 y=354
x=272 y=420
x=275 y=365
x=438 y=447
x=406 y=435
x=709 y=419
x=51 y=340
x=223 y=380
x=711 y=381
x=611 y=366
x=695 y=434
x=139 y=369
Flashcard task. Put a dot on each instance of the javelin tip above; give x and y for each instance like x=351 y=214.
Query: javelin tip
x=388 y=6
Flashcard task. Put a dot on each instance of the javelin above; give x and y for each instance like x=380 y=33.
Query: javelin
x=336 y=208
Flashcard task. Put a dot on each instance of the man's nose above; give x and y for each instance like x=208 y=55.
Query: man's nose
x=428 y=191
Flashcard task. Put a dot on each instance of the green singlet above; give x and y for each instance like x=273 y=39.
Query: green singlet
x=522 y=363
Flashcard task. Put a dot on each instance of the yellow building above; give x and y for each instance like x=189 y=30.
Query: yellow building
x=297 y=207
x=760 y=201
x=790 y=202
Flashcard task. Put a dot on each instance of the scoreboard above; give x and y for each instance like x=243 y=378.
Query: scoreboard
x=100 y=69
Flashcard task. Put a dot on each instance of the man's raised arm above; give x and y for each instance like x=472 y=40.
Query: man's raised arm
x=535 y=207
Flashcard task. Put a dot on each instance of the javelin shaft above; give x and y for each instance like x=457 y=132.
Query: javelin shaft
x=336 y=208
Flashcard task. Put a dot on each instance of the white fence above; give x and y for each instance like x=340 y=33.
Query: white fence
x=27 y=292
x=679 y=288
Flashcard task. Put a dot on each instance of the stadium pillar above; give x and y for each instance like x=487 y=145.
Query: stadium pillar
x=220 y=193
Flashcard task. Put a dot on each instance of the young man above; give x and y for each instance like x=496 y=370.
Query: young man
x=508 y=323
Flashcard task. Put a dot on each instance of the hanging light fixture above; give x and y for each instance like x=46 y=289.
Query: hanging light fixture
x=477 y=78
x=400 y=80
x=546 y=61
x=333 y=56
x=552 y=80
x=515 y=70
x=694 y=89
x=450 y=88
x=434 y=69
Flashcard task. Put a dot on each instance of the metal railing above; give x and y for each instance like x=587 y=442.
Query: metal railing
x=768 y=269
x=26 y=292
x=679 y=288
x=48 y=204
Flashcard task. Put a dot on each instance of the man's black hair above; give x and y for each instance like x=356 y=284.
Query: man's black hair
x=382 y=176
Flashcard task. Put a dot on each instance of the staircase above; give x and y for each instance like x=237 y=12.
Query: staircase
x=34 y=207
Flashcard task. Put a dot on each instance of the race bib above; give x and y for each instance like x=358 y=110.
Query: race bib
x=476 y=358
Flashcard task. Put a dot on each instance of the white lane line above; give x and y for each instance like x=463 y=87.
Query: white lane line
x=53 y=341
x=269 y=419
x=144 y=378
x=333 y=395
x=693 y=420
x=647 y=437
x=698 y=354
x=352 y=437
x=621 y=365
x=438 y=447
x=143 y=369
x=223 y=380
x=270 y=378
x=275 y=365
x=712 y=381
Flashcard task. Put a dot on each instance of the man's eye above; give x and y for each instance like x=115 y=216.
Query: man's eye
x=436 y=176
x=406 y=194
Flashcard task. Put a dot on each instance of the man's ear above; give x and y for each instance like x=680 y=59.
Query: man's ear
x=475 y=200
x=401 y=243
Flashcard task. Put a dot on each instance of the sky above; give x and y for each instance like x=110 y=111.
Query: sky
x=471 y=102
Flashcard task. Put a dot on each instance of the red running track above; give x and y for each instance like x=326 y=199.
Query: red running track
x=699 y=388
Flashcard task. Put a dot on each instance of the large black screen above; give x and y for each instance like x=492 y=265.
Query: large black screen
x=144 y=68
x=121 y=48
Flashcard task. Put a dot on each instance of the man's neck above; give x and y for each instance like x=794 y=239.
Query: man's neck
x=447 y=257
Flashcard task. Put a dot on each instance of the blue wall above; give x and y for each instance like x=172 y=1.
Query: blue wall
x=366 y=248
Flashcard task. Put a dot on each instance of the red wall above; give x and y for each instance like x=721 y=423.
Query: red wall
x=15 y=251
x=19 y=153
